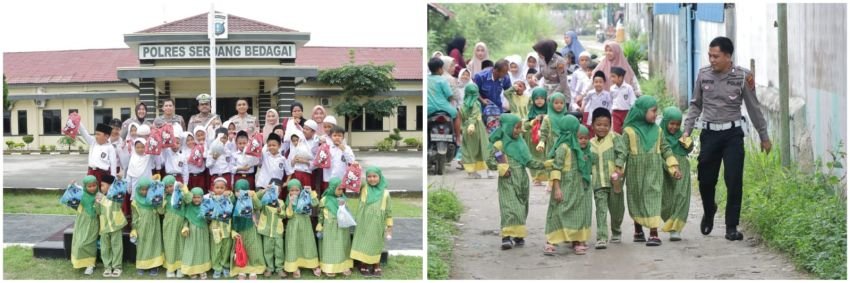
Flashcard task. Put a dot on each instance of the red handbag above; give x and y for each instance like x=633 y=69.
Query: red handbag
x=352 y=179
x=255 y=146
x=323 y=157
x=241 y=257
x=197 y=156
x=166 y=133
x=535 y=132
x=72 y=127
x=154 y=146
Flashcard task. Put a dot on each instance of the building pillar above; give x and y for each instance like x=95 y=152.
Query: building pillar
x=285 y=95
x=264 y=102
x=147 y=95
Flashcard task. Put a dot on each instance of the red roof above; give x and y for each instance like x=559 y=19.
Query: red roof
x=100 y=65
x=198 y=23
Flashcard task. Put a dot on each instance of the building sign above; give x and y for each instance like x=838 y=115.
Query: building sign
x=223 y=51
x=219 y=26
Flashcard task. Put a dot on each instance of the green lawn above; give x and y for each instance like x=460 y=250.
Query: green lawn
x=47 y=202
x=18 y=263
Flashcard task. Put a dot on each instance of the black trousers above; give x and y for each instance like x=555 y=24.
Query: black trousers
x=727 y=147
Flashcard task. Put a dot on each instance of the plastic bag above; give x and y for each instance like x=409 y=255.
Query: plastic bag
x=323 y=157
x=244 y=205
x=156 y=193
x=208 y=208
x=270 y=196
x=224 y=209
x=117 y=191
x=491 y=117
x=72 y=196
x=167 y=137
x=72 y=127
x=535 y=132
x=344 y=218
x=240 y=256
x=154 y=143
x=197 y=157
x=177 y=196
x=304 y=203
x=255 y=147
x=352 y=179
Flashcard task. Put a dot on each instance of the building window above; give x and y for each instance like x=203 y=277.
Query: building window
x=102 y=116
x=7 y=123
x=22 y=122
x=52 y=121
x=401 y=115
x=374 y=123
x=419 y=118
x=125 y=114
x=356 y=124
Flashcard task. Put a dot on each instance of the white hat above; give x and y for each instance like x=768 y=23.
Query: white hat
x=203 y=98
x=312 y=125
x=329 y=119
x=143 y=130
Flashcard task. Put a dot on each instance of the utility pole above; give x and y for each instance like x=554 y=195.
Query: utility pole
x=784 y=118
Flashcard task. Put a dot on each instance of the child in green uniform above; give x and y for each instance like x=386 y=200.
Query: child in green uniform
x=147 y=230
x=676 y=198
x=196 y=251
x=374 y=223
x=172 y=239
x=537 y=109
x=221 y=234
x=570 y=204
x=112 y=221
x=474 y=142
x=247 y=231
x=300 y=241
x=270 y=228
x=648 y=153
x=607 y=150
x=335 y=244
x=512 y=161
x=84 y=241
x=557 y=109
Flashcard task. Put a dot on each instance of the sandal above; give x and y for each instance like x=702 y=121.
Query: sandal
x=194 y=277
x=252 y=276
x=549 y=249
x=365 y=272
x=204 y=276
x=580 y=249
x=601 y=245
x=330 y=275
x=640 y=237
x=347 y=272
x=653 y=241
x=241 y=276
x=116 y=272
x=378 y=272
x=282 y=274
x=317 y=272
x=107 y=273
x=267 y=273
x=296 y=274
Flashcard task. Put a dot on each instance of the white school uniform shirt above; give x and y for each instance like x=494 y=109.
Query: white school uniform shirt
x=595 y=100
x=339 y=162
x=122 y=156
x=186 y=155
x=273 y=166
x=175 y=163
x=582 y=84
x=306 y=168
x=101 y=156
x=217 y=166
x=239 y=159
x=623 y=96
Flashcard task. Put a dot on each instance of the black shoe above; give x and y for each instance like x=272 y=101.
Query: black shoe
x=653 y=242
x=640 y=238
x=507 y=244
x=707 y=223
x=519 y=242
x=734 y=235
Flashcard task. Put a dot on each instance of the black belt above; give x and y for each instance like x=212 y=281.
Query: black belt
x=196 y=175
x=98 y=169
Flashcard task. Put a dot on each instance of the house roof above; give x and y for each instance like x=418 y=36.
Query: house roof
x=198 y=23
x=407 y=61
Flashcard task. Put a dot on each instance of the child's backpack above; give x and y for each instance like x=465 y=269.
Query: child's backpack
x=156 y=193
x=255 y=147
x=166 y=133
x=352 y=179
x=303 y=204
x=244 y=206
x=491 y=117
x=270 y=196
x=72 y=127
x=177 y=196
x=117 y=191
x=323 y=157
x=72 y=196
x=344 y=218
x=154 y=143
x=197 y=156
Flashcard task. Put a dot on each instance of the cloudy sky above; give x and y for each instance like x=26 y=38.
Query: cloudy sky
x=61 y=25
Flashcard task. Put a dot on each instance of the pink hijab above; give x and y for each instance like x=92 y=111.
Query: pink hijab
x=319 y=120
x=619 y=61
x=474 y=65
x=270 y=123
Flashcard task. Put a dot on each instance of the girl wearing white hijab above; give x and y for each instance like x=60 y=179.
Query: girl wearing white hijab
x=480 y=53
x=140 y=164
x=530 y=63
x=515 y=68
x=464 y=77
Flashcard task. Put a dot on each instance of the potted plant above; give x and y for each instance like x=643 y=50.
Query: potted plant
x=28 y=140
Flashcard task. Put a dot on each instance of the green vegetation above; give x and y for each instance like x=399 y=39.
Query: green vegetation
x=657 y=87
x=444 y=209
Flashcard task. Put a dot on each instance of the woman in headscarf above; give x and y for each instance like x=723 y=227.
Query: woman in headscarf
x=474 y=144
x=146 y=230
x=571 y=43
x=374 y=222
x=300 y=241
x=511 y=158
x=478 y=57
x=537 y=109
x=552 y=68
x=448 y=68
x=568 y=218
x=196 y=254
x=515 y=68
x=676 y=198
x=296 y=122
x=272 y=120
x=556 y=110
x=335 y=244
x=86 y=225
x=247 y=231
x=614 y=58
x=455 y=49
x=646 y=159
x=318 y=115
x=141 y=112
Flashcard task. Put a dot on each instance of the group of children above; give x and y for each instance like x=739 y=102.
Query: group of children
x=276 y=238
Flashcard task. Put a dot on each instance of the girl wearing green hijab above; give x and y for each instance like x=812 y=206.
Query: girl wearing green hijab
x=537 y=109
x=474 y=142
x=245 y=229
x=146 y=229
x=513 y=183
x=647 y=155
x=374 y=222
x=335 y=245
x=300 y=241
x=196 y=258
x=676 y=197
x=568 y=218
x=172 y=225
x=556 y=110
x=86 y=224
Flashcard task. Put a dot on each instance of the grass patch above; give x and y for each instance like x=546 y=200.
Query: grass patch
x=18 y=263
x=444 y=210
x=47 y=202
x=801 y=214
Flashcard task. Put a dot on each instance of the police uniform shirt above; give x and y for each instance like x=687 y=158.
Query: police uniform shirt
x=555 y=72
x=101 y=156
x=242 y=123
x=273 y=167
x=623 y=96
x=174 y=119
x=718 y=97
x=199 y=119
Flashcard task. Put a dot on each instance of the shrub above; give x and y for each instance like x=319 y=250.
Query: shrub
x=10 y=144
x=657 y=86
x=444 y=209
x=67 y=141
x=43 y=148
x=384 y=145
x=395 y=137
x=633 y=53
x=28 y=139
x=444 y=204
x=413 y=142
x=20 y=145
x=52 y=147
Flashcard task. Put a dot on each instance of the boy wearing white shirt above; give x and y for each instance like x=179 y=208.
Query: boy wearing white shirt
x=102 y=157
x=242 y=163
x=341 y=156
x=218 y=161
x=274 y=165
x=623 y=96
x=596 y=98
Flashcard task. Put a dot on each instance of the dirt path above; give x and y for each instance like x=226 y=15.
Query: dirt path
x=477 y=254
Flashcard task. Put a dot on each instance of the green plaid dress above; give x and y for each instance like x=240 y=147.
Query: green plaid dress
x=644 y=177
x=570 y=219
x=171 y=237
x=513 y=194
x=473 y=146
x=253 y=247
x=604 y=153
x=301 y=249
x=335 y=245
x=372 y=222
x=221 y=240
x=676 y=198
x=149 y=240
x=84 y=241
x=537 y=175
x=196 y=258
x=270 y=227
x=112 y=221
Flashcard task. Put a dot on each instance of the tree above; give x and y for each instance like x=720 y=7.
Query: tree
x=361 y=85
x=7 y=105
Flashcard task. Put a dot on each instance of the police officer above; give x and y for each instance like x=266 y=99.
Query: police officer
x=242 y=119
x=201 y=119
x=719 y=91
